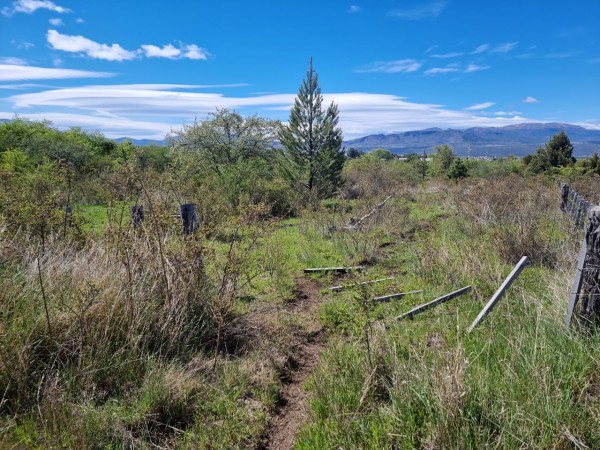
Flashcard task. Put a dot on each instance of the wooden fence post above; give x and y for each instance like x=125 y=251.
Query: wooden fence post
x=577 y=282
x=591 y=270
x=137 y=215
x=189 y=218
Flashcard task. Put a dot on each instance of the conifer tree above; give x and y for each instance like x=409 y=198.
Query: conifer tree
x=313 y=141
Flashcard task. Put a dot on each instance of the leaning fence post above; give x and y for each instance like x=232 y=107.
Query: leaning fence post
x=564 y=195
x=189 y=218
x=498 y=295
x=577 y=282
x=137 y=215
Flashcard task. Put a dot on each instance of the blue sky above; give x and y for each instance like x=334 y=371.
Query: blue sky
x=140 y=69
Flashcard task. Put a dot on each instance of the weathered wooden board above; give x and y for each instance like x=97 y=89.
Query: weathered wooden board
x=499 y=293
x=432 y=304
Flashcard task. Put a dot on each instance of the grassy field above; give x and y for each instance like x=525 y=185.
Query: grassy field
x=152 y=339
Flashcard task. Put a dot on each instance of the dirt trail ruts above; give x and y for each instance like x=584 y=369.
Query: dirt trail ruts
x=293 y=412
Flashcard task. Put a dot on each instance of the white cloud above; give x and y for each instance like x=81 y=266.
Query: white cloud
x=421 y=11
x=151 y=110
x=56 y=22
x=353 y=9
x=447 y=55
x=505 y=48
x=30 y=6
x=167 y=51
x=480 y=106
x=194 y=52
x=441 y=70
x=79 y=20
x=11 y=72
x=85 y=46
x=475 y=68
x=397 y=66
x=530 y=100
x=481 y=49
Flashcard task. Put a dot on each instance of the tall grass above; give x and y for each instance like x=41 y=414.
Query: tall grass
x=520 y=380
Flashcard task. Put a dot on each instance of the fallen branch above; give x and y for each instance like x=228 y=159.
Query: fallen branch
x=355 y=222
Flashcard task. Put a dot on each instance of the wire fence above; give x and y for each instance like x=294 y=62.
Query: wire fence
x=585 y=296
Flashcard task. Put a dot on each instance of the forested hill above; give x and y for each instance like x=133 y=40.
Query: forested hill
x=518 y=140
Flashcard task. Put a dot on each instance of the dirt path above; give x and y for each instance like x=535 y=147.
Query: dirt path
x=293 y=412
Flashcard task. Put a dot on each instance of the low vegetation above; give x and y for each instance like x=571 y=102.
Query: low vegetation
x=115 y=335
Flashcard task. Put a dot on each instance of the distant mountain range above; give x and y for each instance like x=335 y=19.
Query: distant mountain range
x=141 y=142
x=518 y=140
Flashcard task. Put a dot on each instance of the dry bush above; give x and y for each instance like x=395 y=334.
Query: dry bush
x=589 y=188
x=521 y=217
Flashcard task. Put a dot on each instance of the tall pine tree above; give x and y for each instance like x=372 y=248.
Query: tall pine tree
x=313 y=141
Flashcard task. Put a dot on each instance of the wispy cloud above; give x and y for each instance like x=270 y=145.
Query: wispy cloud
x=480 y=106
x=397 y=66
x=79 y=20
x=31 y=6
x=563 y=55
x=505 y=48
x=11 y=60
x=420 y=11
x=481 y=49
x=353 y=9
x=18 y=72
x=153 y=110
x=530 y=100
x=114 y=52
x=447 y=55
x=508 y=113
x=22 y=45
x=475 y=68
x=441 y=70
x=56 y=22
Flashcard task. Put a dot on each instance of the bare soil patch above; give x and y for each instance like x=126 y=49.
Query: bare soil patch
x=292 y=412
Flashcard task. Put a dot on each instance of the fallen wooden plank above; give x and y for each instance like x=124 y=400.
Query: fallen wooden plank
x=334 y=269
x=399 y=295
x=432 y=304
x=350 y=286
x=498 y=295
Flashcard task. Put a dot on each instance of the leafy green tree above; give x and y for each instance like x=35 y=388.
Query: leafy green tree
x=230 y=152
x=458 y=169
x=381 y=153
x=353 y=153
x=558 y=152
x=442 y=159
x=312 y=141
